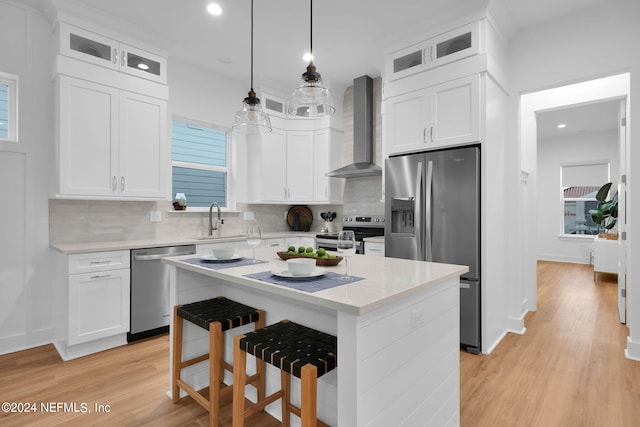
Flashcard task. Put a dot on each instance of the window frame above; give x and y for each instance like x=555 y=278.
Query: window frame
x=11 y=81
x=229 y=190
x=604 y=162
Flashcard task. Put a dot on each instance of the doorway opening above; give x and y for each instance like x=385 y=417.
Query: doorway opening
x=537 y=105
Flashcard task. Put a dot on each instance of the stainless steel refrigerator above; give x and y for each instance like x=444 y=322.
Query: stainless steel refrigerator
x=433 y=214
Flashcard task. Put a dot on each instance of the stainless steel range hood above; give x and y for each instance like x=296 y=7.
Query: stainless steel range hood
x=362 y=133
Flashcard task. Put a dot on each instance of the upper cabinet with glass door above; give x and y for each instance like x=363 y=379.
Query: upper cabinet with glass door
x=104 y=51
x=439 y=50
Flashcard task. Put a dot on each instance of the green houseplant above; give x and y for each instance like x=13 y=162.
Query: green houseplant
x=606 y=214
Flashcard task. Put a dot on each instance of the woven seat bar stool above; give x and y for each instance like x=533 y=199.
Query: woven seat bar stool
x=294 y=349
x=215 y=315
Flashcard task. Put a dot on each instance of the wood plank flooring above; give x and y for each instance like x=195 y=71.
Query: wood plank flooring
x=569 y=369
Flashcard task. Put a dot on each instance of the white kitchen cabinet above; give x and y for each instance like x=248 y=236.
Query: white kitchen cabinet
x=292 y=167
x=107 y=52
x=92 y=302
x=448 y=47
x=374 y=248
x=111 y=143
x=300 y=164
x=435 y=117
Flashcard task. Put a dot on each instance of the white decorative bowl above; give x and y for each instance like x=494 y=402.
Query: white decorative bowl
x=222 y=253
x=301 y=266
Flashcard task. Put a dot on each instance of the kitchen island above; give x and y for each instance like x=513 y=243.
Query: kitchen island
x=397 y=330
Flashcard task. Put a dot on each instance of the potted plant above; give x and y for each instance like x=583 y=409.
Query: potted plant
x=606 y=214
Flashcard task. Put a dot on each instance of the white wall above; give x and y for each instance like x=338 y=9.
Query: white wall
x=595 y=42
x=552 y=153
x=26 y=265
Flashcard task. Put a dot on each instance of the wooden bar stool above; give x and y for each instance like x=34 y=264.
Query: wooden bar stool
x=215 y=315
x=295 y=350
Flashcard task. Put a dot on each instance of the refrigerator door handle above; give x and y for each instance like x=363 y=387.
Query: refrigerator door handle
x=418 y=213
x=427 y=209
x=404 y=199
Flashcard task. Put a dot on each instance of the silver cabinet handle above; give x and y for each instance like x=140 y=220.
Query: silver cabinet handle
x=431 y=133
x=158 y=256
x=100 y=262
x=424 y=135
x=123 y=58
x=122 y=183
x=114 y=55
x=100 y=276
x=114 y=184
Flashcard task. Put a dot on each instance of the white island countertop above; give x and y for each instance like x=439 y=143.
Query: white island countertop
x=385 y=279
x=397 y=329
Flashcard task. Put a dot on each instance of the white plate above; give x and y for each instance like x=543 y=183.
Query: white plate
x=212 y=258
x=287 y=275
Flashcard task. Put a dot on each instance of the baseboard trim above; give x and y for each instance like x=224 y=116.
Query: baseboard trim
x=633 y=350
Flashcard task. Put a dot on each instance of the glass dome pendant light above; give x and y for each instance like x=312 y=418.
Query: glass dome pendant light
x=252 y=119
x=311 y=99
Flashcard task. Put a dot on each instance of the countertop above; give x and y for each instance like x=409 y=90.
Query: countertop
x=374 y=239
x=74 y=248
x=385 y=279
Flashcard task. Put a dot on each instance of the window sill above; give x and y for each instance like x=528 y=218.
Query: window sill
x=576 y=237
x=201 y=210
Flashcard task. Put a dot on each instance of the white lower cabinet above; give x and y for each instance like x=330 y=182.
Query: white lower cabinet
x=92 y=302
x=605 y=256
x=98 y=305
x=374 y=248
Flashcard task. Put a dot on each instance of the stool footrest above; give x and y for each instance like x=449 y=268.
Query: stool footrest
x=193 y=361
x=259 y=406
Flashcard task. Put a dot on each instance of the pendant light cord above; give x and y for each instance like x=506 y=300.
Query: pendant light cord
x=310 y=29
x=252 y=46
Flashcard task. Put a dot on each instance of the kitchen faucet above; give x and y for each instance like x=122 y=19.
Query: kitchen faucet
x=219 y=221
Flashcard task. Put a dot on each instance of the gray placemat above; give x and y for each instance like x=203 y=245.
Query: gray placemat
x=312 y=284
x=219 y=265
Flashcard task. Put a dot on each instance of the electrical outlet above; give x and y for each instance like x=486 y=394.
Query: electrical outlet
x=155 y=216
x=248 y=216
x=417 y=319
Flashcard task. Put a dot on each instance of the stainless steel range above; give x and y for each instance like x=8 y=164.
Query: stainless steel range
x=362 y=226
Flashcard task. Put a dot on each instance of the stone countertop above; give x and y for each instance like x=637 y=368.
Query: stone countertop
x=74 y=248
x=375 y=239
x=386 y=279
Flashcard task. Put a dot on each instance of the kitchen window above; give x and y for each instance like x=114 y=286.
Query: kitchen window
x=580 y=184
x=200 y=159
x=8 y=107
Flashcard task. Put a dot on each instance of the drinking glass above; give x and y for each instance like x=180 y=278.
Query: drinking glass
x=254 y=238
x=347 y=247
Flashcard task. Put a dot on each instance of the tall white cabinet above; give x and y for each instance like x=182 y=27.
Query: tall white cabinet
x=112 y=140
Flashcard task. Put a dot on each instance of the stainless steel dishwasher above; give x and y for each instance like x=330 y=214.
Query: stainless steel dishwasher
x=150 y=309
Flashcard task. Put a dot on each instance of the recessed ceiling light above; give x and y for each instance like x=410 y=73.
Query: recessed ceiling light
x=214 y=9
x=562 y=126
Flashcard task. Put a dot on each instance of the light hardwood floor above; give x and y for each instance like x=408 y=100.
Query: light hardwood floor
x=569 y=369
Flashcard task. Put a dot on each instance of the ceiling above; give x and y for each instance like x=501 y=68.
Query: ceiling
x=349 y=36
x=580 y=119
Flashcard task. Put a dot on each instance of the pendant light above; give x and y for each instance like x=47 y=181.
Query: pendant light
x=252 y=119
x=311 y=99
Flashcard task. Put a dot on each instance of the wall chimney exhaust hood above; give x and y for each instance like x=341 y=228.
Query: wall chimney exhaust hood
x=362 y=133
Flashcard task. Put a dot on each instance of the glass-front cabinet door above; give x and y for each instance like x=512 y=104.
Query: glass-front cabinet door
x=143 y=64
x=454 y=45
x=87 y=46
x=100 y=50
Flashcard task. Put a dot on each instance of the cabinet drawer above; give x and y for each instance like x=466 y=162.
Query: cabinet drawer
x=98 y=261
